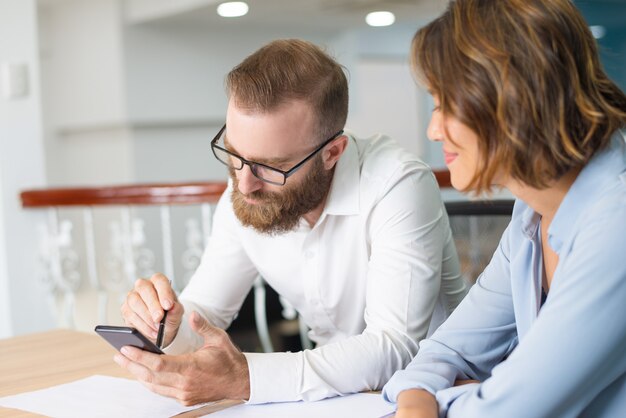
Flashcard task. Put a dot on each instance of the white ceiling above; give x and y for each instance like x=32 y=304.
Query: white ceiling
x=304 y=14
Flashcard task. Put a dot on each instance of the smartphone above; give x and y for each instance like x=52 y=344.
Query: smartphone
x=118 y=337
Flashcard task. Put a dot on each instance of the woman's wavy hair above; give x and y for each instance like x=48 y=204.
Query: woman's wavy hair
x=525 y=76
x=288 y=69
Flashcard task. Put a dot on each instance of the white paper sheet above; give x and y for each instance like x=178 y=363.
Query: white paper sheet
x=96 y=396
x=364 y=405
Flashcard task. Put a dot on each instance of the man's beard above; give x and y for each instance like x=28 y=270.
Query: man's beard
x=279 y=212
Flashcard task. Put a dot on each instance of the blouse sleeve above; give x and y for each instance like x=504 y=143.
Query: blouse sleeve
x=573 y=351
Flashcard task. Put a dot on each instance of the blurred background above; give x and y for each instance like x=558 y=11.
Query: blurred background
x=118 y=92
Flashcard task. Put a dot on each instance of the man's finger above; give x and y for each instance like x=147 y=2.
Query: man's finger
x=147 y=292
x=185 y=398
x=135 y=304
x=131 y=319
x=165 y=293
x=212 y=335
x=164 y=390
x=157 y=363
x=138 y=370
x=174 y=315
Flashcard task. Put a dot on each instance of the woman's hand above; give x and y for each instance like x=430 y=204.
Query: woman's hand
x=416 y=403
x=465 y=382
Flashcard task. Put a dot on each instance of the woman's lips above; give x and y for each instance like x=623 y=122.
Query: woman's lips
x=449 y=157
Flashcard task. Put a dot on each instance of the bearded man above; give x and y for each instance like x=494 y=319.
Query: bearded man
x=352 y=232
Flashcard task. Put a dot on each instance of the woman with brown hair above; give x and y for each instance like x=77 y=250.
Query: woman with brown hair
x=522 y=102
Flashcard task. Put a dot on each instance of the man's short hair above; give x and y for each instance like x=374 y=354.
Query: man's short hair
x=292 y=69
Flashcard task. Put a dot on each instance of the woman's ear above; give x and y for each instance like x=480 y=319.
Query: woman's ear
x=333 y=151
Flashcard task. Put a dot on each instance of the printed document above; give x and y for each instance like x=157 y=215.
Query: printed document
x=96 y=396
x=365 y=405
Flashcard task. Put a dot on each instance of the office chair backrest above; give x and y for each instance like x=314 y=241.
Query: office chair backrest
x=477 y=227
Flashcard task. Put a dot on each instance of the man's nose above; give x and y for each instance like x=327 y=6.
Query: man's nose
x=247 y=182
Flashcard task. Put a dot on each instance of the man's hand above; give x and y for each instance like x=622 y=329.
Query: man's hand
x=416 y=403
x=216 y=371
x=146 y=304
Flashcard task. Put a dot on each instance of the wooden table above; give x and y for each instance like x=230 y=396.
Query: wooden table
x=38 y=361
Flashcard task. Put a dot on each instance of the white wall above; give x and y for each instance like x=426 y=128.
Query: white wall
x=384 y=88
x=140 y=102
x=23 y=305
x=176 y=97
x=83 y=83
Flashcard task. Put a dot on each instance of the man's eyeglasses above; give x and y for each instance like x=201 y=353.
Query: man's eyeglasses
x=261 y=171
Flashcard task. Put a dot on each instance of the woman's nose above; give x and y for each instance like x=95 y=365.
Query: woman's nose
x=434 y=127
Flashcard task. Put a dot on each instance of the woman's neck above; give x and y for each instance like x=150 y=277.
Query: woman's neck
x=544 y=201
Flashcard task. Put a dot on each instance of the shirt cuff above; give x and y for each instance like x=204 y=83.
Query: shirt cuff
x=274 y=377
x=447 y=397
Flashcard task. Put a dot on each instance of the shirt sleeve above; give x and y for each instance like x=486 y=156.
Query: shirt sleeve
x=573 y=351
x=220 y=284
x=478 y=334
x=407 y=234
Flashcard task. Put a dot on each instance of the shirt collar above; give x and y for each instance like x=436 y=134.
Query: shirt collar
x=586 y=189
x=530 y=222
x=343 y=197
x=589 y=186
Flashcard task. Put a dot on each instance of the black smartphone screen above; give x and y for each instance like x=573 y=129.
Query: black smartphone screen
x=118 y=337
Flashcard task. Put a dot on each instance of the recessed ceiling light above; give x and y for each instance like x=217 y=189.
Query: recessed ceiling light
x=598 y=31
x=382 y=18
x=232 y=9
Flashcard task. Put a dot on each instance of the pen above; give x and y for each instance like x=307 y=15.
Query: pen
x=159 y=340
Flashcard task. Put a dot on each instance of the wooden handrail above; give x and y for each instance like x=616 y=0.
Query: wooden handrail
x=139 y=194
x=143 y=194
x=443 y=179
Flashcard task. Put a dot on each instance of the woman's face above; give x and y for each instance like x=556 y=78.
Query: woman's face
x=462 y=156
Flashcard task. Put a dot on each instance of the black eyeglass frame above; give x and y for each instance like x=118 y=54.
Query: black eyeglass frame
x=286 y=173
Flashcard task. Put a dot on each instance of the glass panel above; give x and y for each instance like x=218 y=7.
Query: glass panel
x=268 y=174
x=227 y=158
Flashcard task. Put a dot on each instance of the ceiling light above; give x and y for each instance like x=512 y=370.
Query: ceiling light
x=598 y=31
x=232 y=9
x=380 y=18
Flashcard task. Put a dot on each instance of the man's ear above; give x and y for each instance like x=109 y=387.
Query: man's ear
x=332 y=153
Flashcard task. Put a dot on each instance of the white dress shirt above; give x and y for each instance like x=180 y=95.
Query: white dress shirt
x=368 y=278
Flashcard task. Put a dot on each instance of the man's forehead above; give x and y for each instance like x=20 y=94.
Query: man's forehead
x=278 y=136
x=270 y=156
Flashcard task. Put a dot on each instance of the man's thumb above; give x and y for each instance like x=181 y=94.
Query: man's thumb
x=201 y=326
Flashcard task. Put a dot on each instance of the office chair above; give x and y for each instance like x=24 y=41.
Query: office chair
x=477 y=227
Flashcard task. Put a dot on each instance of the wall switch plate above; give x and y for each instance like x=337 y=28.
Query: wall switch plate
x=13 y=80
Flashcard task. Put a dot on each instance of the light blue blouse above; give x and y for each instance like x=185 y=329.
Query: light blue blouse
x=567 y=359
